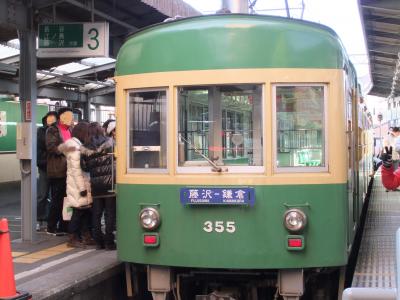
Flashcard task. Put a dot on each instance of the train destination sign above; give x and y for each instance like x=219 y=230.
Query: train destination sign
x=73 y=40
x=221 y=196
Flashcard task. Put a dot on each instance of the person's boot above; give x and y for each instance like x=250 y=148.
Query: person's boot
x=111 y=246
x=100 y=246
x=74 y=242
x=87 y=239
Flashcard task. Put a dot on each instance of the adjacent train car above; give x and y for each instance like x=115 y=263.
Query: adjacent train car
x=10 y=115
x=241 y=158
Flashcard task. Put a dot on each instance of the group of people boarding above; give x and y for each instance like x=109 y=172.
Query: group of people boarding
x=80 y=171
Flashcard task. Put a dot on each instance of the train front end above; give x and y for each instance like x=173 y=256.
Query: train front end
x=232 y=158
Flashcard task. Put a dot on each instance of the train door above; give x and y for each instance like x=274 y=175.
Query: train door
x=358 y=148
x=363 y=158
x=351 y=146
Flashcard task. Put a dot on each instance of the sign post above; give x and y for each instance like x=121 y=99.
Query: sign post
x=27 y=97
x=73 y=40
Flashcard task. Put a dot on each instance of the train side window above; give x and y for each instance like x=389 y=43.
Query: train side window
x=300 y=127
x=147 y=135
x=220 y=128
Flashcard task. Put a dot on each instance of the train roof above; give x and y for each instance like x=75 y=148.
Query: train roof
x=231 y=41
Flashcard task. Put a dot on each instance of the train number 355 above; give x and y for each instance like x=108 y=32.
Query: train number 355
x=219 y=226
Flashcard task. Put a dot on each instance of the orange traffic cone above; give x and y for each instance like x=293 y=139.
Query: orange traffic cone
x=7 y=281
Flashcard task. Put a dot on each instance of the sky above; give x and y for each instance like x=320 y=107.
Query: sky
x=340 y=15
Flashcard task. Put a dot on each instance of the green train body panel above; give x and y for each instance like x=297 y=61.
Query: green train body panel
x=10 y=115
x=259 y=241
x=230 y=42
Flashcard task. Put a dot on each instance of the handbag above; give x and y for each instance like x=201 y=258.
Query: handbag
x=67 y=210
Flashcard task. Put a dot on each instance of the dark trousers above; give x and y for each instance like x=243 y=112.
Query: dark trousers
x=80 y=221
x=58 y=189
x=106 y=205
x=43 y=189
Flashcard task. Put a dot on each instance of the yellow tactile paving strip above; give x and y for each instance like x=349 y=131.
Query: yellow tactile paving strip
x=29 y=258
x=18 y=253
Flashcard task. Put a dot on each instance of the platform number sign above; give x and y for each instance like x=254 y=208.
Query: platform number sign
x=73 y=40
x=94 y=39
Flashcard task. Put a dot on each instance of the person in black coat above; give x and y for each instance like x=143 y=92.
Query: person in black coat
x=57 y=134
x=43 y=188
x=100 y=165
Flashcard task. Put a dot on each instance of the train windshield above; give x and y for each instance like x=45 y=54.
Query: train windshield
x=220 y=126
x=147 y=121
x=300 y=126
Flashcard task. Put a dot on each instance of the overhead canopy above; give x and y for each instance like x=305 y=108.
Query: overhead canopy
x=381 y=20
x=85 y=77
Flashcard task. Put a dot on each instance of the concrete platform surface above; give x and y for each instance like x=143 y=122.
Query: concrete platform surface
x=49 y=269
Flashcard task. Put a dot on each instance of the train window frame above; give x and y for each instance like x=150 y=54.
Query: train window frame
x=301 y=169
x=228 y=169
x=130 y=170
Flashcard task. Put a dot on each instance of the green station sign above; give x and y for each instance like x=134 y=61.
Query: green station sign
x=61 y=36
x=73 y=40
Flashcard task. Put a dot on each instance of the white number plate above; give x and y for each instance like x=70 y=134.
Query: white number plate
x=219 y=226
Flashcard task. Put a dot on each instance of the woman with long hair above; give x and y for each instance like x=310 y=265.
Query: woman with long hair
x=79 y=195
x=100 y=166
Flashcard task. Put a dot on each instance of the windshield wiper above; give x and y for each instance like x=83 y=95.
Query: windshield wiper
x=215 y=168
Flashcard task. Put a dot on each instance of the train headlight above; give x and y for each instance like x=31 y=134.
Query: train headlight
x=295 y=220
x=149 y=218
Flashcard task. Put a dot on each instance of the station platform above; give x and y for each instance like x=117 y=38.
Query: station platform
x=48 y=269
x=376 y=262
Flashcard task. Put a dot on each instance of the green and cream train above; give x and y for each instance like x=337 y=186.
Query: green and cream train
x=242 y=158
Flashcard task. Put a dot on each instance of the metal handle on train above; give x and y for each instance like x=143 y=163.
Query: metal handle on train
x=112 y=170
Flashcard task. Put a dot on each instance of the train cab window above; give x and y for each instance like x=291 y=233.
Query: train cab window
x=220 y=128
x=147 y=119
x=300 y=127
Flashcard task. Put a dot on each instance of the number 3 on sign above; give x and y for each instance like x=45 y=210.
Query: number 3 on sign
x=219 y=226
x=94 y=34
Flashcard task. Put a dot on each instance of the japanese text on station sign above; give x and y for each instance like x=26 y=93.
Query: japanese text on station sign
x=61 y=36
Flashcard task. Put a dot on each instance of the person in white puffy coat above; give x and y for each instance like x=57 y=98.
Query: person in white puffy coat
x=78 y=182
x=79 y=195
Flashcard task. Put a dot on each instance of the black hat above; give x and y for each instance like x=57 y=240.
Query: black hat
x=63 y=110
x=50 y=113
x=109 y=126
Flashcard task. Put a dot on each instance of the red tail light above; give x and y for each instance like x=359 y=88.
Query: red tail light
x=151 y=239
x=295 y=242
